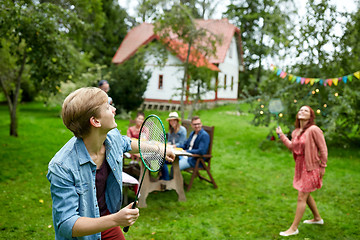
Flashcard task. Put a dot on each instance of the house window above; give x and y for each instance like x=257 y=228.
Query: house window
x=225 y=82
x=232 y=83
x=160 y=86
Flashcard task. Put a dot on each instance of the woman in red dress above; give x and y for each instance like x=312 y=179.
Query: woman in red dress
x=310 y=154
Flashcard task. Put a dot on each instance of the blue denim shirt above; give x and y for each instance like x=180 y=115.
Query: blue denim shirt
x=178 y=138
x=72 y=183
x=201 y=144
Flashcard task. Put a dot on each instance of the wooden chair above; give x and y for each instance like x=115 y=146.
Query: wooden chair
x=131 y=165
x=187 y=124
x=205 y=160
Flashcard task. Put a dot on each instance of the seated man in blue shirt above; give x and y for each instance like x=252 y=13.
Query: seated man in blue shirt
x=86 y=173
x=197 y=143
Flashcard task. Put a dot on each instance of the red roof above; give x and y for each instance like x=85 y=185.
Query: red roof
x=134 y=39
x=144 y=33
x=225 y=30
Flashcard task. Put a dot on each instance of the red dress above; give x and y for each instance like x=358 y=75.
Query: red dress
x=304 y=181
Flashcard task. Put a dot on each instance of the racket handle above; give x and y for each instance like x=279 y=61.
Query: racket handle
x=126 y=229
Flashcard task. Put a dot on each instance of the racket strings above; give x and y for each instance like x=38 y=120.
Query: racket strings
x=152 y=144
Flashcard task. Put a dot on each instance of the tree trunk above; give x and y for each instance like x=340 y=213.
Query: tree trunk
x=258 y=76
x=13 y=123
x=194 y=105
x=12 y=99
x=182 y=105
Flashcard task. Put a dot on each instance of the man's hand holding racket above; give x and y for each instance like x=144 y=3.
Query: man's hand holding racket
x=170 y=156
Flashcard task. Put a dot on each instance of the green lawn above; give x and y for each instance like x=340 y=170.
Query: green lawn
x=255 y=198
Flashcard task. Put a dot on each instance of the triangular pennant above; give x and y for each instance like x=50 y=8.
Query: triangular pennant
x=307 y=80
x=350 y=78
x=357 y=74
x=335 y=81
x=278 y=72
x=321 y=81
x=290 y=77
x=302 y=80
x=298 y=79
x=312 y=80
x=283 y=75
x=329 y=82
x=344 y=78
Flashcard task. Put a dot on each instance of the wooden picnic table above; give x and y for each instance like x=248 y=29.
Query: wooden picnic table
x=151 y=184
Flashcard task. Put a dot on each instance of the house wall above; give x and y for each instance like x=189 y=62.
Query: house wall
x=173 y=73
x=230 y=68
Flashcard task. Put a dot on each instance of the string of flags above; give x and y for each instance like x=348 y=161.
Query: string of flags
x=312 y=81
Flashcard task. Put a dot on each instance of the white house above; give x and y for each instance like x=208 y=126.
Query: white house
x=163 y=88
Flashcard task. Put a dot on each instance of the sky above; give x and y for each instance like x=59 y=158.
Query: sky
x=342 y=5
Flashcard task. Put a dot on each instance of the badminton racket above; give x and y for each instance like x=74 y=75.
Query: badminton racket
x=152 y=148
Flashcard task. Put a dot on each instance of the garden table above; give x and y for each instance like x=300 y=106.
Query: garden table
x=151 y=184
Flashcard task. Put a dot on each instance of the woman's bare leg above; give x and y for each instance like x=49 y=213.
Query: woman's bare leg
x=300 y=209
x=312 y=205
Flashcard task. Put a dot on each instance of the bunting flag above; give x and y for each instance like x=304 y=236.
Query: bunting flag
x=312 y=81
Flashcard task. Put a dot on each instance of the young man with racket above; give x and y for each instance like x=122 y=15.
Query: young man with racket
x=85 y=175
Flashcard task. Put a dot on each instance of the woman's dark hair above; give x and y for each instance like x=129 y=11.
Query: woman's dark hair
x=309 y=123
x=140 y=114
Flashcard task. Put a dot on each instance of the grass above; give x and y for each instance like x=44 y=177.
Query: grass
x=255 y=198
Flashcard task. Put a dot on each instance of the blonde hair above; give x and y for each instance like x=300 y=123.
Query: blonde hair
x=79 y=107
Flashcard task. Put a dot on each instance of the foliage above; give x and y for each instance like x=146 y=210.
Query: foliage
x=27 y=35
x=265 y=32
x=91 y=15
x=88 y=77
x=255 y=198
x=150 y=10
x=102 y=44
x=128 y=83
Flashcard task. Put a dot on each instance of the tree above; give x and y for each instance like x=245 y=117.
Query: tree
x=34 y=46
x=103 y=43
x=265 y=31
x=200 y=80
x=131 y=81
x=149 y=10
x=180 y=23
